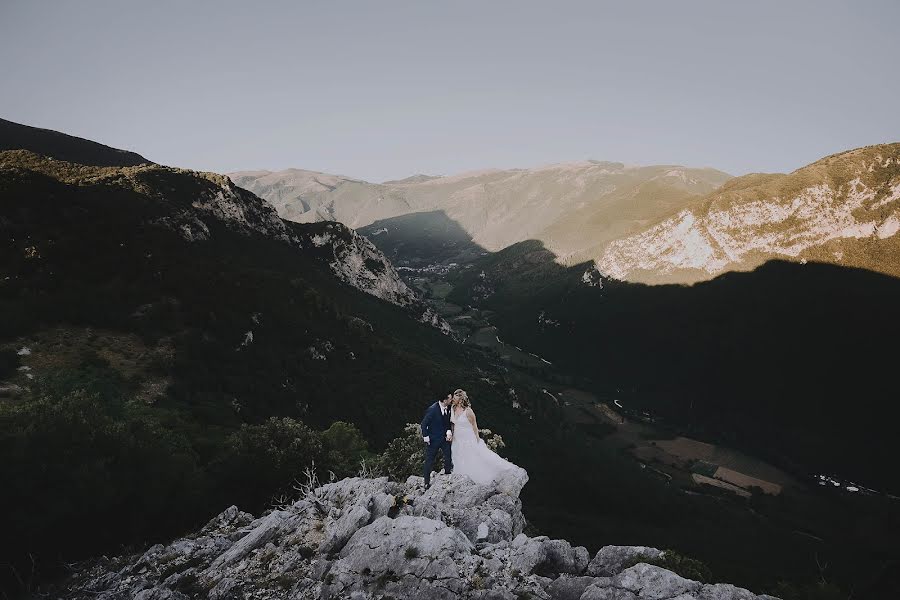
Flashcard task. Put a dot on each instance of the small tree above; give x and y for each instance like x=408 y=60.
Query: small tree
x=405 y=454
x=344 y=448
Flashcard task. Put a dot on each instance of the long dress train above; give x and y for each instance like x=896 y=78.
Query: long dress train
x=472 y=457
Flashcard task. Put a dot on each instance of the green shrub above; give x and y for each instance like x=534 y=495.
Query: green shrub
x=344 y=448
x=79 y=454
x=405 y=455
x=266 y=456
x=71 y=468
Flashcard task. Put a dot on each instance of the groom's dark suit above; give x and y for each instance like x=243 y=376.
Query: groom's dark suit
x=435 y=427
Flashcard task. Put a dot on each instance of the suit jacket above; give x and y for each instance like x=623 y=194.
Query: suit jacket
x=434 y=425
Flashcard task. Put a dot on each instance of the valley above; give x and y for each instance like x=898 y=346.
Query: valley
x=635 y=434
x=173 y=321
x=435 y=256
x=525 y=309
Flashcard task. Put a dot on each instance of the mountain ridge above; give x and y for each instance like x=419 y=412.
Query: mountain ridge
x=61 y=146
x=569 y=206
x=841 y=209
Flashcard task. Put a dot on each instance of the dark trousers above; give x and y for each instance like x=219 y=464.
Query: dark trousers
x=431 y=451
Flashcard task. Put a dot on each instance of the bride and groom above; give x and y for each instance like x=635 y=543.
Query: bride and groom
x=449 y=426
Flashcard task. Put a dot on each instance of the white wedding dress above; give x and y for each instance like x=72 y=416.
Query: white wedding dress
x=472 y=457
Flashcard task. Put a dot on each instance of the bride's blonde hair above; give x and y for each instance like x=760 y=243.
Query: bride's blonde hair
x=463 y=397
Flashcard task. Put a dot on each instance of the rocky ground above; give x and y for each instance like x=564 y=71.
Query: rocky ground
x=373 y=538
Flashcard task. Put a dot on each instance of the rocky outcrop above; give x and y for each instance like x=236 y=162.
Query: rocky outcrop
x=351 y=257
x=355 y=260
x=612 y=559
x=843 y=209
x=373 y=538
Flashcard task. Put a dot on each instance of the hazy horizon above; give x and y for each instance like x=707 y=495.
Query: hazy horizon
x=385 y=91
x=474 y=171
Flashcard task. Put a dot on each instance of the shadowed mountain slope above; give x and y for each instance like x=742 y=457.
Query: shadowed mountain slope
x=783 y=360
x=168 y=341
x=60 y=146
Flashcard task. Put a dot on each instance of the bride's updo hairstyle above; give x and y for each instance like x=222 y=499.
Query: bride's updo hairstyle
x=463 y=398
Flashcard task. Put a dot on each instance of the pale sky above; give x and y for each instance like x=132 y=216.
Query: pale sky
x=382 y=90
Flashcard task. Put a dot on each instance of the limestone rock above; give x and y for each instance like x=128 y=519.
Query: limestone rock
x=582 y=559
x=594 y=592
x=265 y=529
x=567 y=587
x=373 y=538
x=407 y=556
x=610 y=560
x=652 y=582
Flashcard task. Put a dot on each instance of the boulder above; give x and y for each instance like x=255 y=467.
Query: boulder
x=264 y=529
x=483 y=513
x=582 y=559
x=527 y=553
x=543 y=556
x=654 y=583
x=338 y=531
x=406 y=557
x=610 y=560
x=560 y=558
x=567 y=587
x=595 y=592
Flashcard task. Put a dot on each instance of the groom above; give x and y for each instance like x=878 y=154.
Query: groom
x=437 y=433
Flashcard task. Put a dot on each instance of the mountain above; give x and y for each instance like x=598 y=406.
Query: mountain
x=59 y=146
x=576 y=209
x=169 y=345
x=843 y=209
x=645 y=224
x=418 y=178
x=364 y=537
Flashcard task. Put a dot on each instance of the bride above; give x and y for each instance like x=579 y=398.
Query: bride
x=471 y=456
